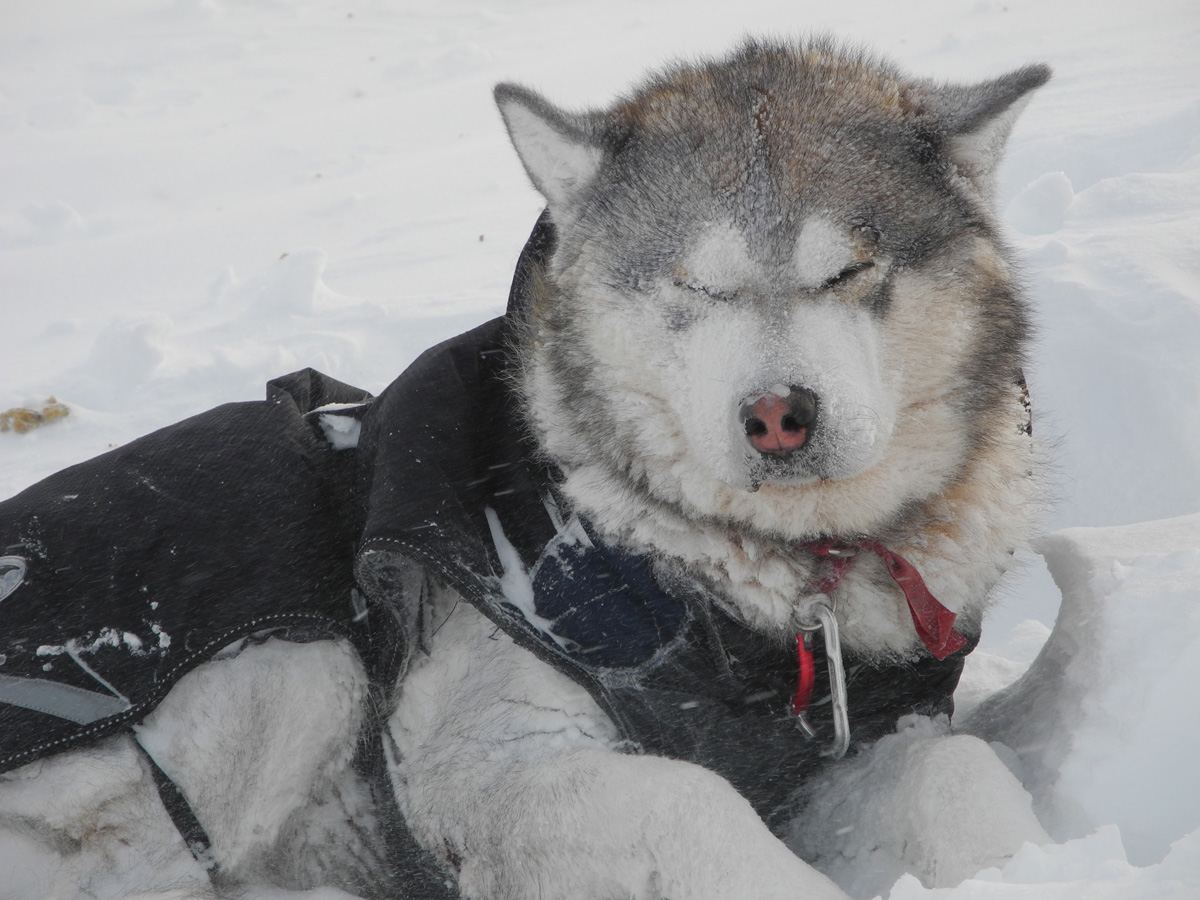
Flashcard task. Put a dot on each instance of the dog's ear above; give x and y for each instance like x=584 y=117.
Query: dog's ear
x=559 y=150
x=978 y=118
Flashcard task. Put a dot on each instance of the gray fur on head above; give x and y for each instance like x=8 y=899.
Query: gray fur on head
x=969 y=124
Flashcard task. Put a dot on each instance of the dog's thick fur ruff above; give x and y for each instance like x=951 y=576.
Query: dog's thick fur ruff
x=792 y=221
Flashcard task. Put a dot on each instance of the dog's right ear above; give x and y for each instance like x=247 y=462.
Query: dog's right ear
x=559 y=150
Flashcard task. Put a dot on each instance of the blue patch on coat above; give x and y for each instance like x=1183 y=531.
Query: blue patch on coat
x=600 y=605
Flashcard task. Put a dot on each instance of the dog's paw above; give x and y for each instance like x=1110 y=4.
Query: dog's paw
x=940 y=806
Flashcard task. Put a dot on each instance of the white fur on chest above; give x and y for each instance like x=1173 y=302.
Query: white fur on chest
x=962 y=544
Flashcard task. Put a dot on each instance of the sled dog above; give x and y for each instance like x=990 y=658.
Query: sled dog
x=644 y=574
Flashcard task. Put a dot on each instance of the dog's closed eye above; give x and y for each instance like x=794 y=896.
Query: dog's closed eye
x=706 y=290
x=847 y=274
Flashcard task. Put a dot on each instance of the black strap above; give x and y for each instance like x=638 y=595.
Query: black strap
x=181 y=813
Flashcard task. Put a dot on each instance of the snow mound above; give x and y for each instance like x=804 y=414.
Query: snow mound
x=1105 y=712
x=1093 y=867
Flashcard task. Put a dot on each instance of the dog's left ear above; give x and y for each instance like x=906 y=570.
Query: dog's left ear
x=560 y=151
x=978 y=118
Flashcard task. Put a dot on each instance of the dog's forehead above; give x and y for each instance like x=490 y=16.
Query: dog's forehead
x=777 y=142
x=767 y=90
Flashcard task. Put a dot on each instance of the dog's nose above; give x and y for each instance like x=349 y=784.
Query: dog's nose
x=780 y=421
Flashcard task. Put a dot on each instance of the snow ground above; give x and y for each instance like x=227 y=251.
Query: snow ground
x=199 y=195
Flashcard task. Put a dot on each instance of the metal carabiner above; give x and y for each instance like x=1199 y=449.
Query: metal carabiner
x=827 y=623
x=837 y=681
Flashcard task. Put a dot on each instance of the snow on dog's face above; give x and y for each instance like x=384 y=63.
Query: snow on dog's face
x=771 y=368
x=775 y=296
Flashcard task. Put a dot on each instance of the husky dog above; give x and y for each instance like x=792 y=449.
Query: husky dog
x=755 y=421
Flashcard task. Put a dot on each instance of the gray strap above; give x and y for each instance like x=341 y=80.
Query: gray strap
x=57 y=699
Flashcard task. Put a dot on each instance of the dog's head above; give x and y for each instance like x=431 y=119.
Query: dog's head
x=775 y=273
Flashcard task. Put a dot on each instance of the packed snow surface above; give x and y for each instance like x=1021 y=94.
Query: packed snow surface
x=201 y=195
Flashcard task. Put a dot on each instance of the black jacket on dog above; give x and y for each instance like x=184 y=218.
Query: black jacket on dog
x=119 y=575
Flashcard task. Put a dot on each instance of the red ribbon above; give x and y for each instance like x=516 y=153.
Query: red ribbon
x=933 y=621
x=807 y=677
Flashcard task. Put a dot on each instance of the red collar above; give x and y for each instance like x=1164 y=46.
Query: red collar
x=933 y=621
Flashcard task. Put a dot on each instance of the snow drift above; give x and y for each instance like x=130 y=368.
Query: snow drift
x=1104 y=710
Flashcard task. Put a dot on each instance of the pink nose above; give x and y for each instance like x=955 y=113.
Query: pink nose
x=779 y=424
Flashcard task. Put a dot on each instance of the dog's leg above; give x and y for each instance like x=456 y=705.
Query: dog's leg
x=88 y=823
x=260 y=743
x=940 y=806
x=506 y=770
